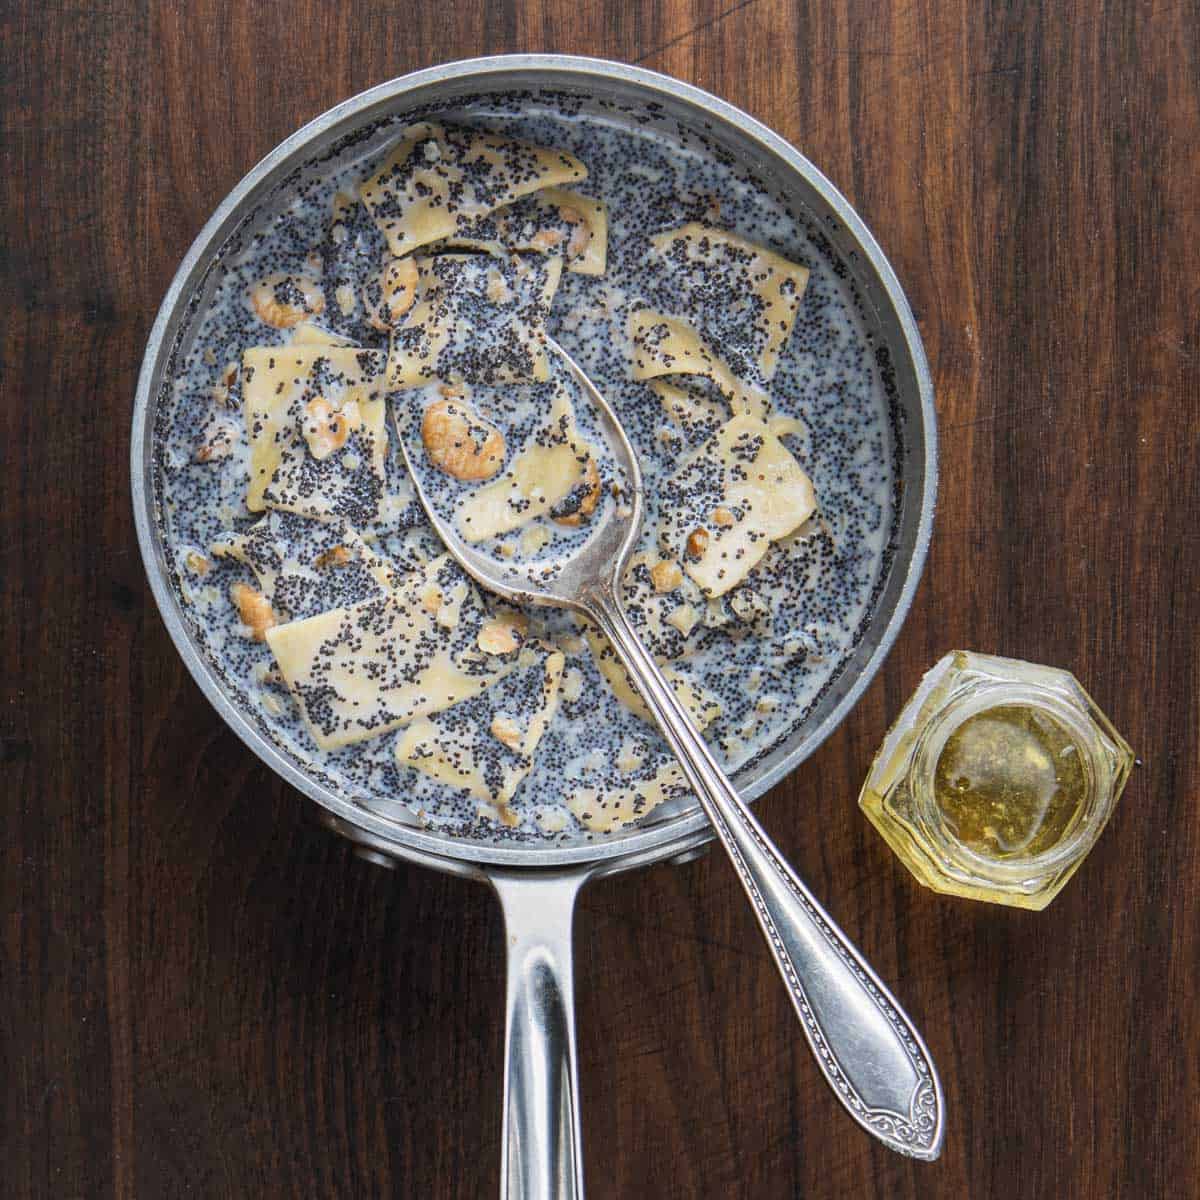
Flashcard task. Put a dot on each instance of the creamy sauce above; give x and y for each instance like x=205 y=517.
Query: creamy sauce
x=762 y=654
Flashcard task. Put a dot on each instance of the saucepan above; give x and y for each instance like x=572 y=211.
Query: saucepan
x=537 y=882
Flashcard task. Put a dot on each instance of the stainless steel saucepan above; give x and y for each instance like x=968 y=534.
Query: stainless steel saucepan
x=537 y=884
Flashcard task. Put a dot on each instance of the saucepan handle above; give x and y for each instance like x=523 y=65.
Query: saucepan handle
x=540 y=1153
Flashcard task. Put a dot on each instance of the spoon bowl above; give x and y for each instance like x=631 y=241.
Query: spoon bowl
x=597 y=563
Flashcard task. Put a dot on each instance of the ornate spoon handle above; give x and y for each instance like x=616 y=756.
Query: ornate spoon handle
x=864 y=1043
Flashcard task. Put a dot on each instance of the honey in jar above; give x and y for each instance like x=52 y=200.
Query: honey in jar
x=996 y=779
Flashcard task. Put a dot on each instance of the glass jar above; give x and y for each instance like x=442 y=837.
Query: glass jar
x=996 y=779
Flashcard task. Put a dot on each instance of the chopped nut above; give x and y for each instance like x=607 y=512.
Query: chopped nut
x=218 y=444
x=335 y=556
x=697 y=542
x=254 y=609
x=390 y=294
x=504 y=729
x=571 y=687
x=684 y=618
x=282 y=301
x=460 y=442
x=722 y=516
x=546 y=239
x=503 y=634
x=196 y=563
x=507 y=816
x=666 y=575
x=498 y=291
x=221 y=392
x=326 y=428
x=344 y=295
x=431 y=601
x=748 y=605
x=733 y=746
x=716 y=614
x=580 y=502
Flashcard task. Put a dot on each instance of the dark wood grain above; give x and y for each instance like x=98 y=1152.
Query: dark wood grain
x=202 y=994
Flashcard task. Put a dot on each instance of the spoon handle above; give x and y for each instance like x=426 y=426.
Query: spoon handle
x=864 y=1043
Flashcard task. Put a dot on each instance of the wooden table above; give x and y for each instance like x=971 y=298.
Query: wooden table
x=203 y=994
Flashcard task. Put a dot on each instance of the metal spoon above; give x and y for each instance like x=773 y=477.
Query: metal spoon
x=864 y=1043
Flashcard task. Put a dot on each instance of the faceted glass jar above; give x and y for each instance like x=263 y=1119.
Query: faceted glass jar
x=996 y=779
